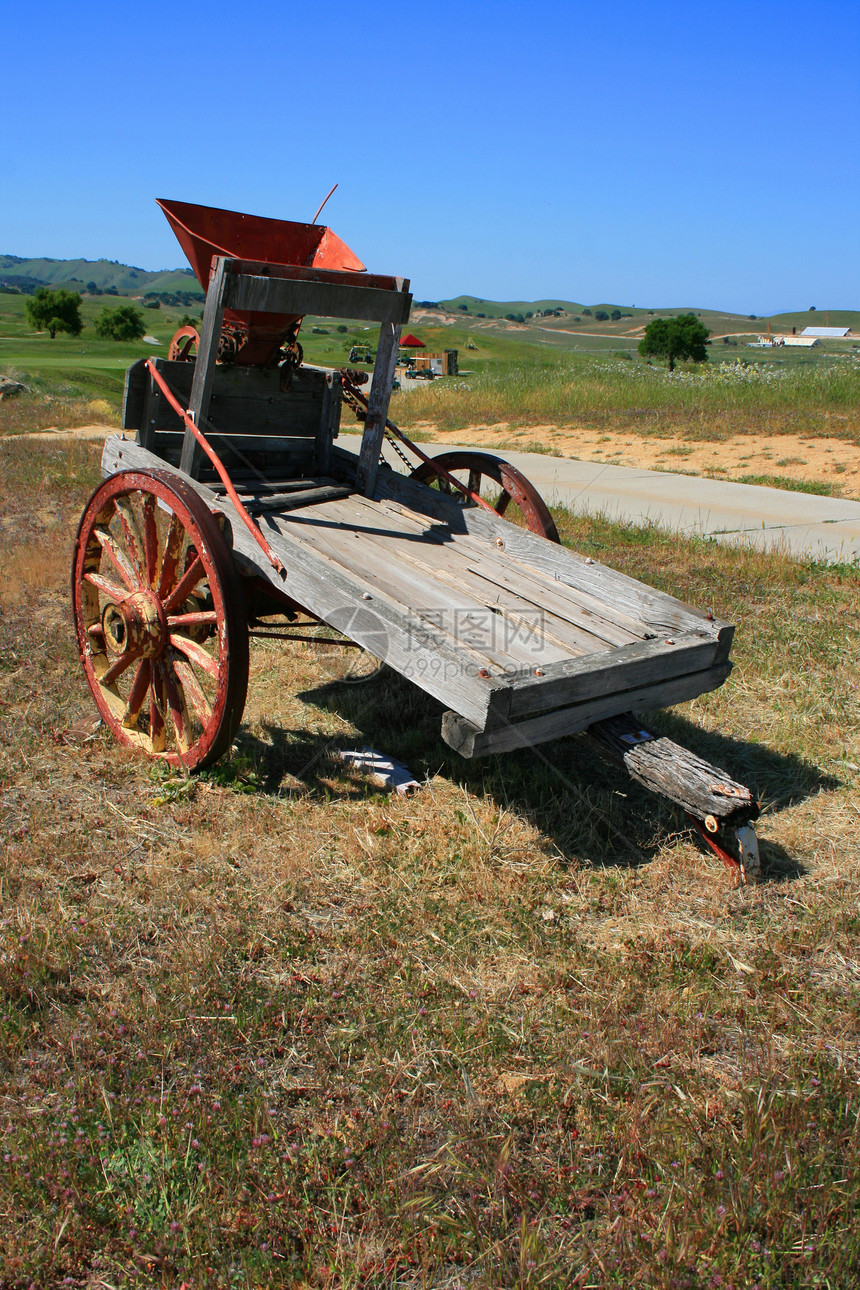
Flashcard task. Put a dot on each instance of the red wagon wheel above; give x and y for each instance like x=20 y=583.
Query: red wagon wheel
x=160 y=618
x=472 y=468
x=184 y=344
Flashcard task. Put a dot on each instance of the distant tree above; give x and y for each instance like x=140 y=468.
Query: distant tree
x=342 y=328
x=615 y=315
x=600 y=315
x=670 y=338
x=587 y=312
x=124 y=322
x=812 y=309
x=189 y=320
x=465 y=308
x=55 y=311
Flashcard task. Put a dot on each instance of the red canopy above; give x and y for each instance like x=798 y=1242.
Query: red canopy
x=412 y=342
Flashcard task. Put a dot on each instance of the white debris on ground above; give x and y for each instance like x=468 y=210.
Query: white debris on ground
x=384 y=772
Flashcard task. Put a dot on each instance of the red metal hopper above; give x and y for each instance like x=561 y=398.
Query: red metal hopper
x=206 y=231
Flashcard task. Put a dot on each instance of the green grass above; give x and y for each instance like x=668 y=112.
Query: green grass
x=816 y=486
x=709 y=401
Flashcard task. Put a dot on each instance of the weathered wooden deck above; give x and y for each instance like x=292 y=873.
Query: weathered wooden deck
x=522 y=640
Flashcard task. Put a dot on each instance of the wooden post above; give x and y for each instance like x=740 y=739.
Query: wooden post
x=377 y=408
x=204 y=368
x=329 y=421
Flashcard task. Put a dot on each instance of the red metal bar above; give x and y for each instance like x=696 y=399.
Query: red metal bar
x=219 y=466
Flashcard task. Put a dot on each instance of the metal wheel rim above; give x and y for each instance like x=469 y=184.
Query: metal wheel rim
x=516 y=488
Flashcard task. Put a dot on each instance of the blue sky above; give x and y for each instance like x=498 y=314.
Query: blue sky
x=656 y=153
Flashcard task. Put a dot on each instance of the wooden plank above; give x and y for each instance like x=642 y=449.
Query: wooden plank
x=204 y=369
x=337 y=596
x=467 y=739
x=274 y=295
x=657 y=611
x=377 y=408
x=579 y=679
x=302 y=273
x=441 y=560
x=673 y=771
x=475 y=629
x=283 y=502
x=241 y=443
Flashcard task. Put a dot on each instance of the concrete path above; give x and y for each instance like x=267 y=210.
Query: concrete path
x=798 y=523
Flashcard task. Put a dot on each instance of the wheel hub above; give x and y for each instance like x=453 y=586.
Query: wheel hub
x=135 y=627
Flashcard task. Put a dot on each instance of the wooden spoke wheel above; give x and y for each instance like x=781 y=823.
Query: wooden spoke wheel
x=495 y=479
x=160 y=618
x=184 y=344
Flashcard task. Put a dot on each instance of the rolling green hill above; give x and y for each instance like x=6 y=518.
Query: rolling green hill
x=128 y=280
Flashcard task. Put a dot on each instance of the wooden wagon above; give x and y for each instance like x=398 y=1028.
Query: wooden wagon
x=233 y=511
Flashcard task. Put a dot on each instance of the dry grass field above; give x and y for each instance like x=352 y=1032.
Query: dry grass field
x=272 y=1027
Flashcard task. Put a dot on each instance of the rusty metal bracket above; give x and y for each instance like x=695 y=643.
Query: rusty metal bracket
x=746 y=866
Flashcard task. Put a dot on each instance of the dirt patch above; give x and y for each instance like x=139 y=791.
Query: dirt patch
x=58 y=433
x=795 y=457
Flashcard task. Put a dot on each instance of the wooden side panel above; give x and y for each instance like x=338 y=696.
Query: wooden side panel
x=470 y=741
x=134 y=395
x=324 y=299
x=248 y=400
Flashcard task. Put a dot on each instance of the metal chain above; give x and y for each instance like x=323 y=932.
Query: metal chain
x=396 y=446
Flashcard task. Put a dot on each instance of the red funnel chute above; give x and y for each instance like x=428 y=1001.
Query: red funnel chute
x=207 y=231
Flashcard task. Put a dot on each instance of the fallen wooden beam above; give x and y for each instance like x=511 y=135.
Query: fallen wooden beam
x=665 y=767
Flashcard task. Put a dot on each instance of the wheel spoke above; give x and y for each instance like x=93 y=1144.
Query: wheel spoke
x=176 y=703
x=150 y=537
x=116 y=669
x=186 y=584
x=139 y=687
x=170 y=556
x=196 y=653
x=107 y=585
x=193 y=689
x=118 y=558
x=474 y=484
x=156 y=710
x=502 y=504
x=128 y=524
x=200 y=619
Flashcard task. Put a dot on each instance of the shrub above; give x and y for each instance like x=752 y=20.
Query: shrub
x=123 y=322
